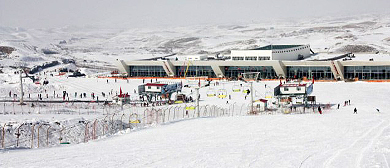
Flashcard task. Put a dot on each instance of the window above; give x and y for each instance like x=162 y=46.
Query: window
x=149 y=87
x=298 y=88
x=264 y=58
x=238 y=58
x=158 y=87
x=285 y=88
x=250 y=58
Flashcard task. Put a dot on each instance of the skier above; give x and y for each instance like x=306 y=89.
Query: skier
x=338 y=106
x=349 y=102
x=319 y=109
x=378 y=110
x=355 y=111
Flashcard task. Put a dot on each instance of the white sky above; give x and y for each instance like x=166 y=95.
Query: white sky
x=140 y=13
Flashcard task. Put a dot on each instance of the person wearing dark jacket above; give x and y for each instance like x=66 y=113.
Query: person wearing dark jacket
x=319 y=109
x=355 y=111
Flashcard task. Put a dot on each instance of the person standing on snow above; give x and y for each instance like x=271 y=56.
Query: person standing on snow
x=338 y=106
x=355 y=111
x=319 y=109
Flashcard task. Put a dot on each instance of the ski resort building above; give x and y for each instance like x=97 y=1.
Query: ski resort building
x=293 y=89
x=278 y=64
x=272 y=52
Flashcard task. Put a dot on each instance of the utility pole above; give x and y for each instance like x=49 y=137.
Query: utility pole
x=21 y=88
x=197 y=102
x=252 y=97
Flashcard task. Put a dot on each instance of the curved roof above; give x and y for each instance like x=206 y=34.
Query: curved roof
x=277 y=47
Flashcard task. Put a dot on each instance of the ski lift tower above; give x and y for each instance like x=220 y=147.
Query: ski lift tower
x=197 y=99
x=250 y=77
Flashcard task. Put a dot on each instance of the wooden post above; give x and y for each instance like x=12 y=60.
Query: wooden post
x=94 y=129
x=38 y=133
x=3 y=137
x=122 y=121
x=32 y=136
x=61 y=133
x=86 y=132
x=47 y=135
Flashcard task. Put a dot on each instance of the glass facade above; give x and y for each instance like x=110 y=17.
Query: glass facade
x=195 y=71
x=266 y=72
x=367 y=72
x=322 y=72
x=147 y=71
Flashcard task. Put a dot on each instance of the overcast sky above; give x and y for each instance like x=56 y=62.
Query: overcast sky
x=141 y=13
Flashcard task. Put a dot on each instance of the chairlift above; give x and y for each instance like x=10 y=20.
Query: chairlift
x=246 y=88
x=222 y=93
x=211 y=93
x=134 y=119
x=190 y=108
x=236 y=88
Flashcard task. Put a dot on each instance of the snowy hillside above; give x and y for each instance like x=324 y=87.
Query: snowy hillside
x=356 y=34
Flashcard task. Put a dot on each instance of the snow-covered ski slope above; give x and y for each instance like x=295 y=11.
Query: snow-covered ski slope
x=338 y=138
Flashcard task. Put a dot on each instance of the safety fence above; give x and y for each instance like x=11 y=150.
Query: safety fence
x=113 y=119
x=43 y=133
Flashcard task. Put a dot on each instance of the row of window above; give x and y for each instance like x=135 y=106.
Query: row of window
x=252 y=58
x=267 y=72
x=195 y=71
x=284 y=51
x=155 y=71
x=237 y=58
x=367 y=72
x=286 y=88
x=323 y=72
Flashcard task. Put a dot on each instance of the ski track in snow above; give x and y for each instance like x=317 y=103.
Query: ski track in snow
x=366 y=140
